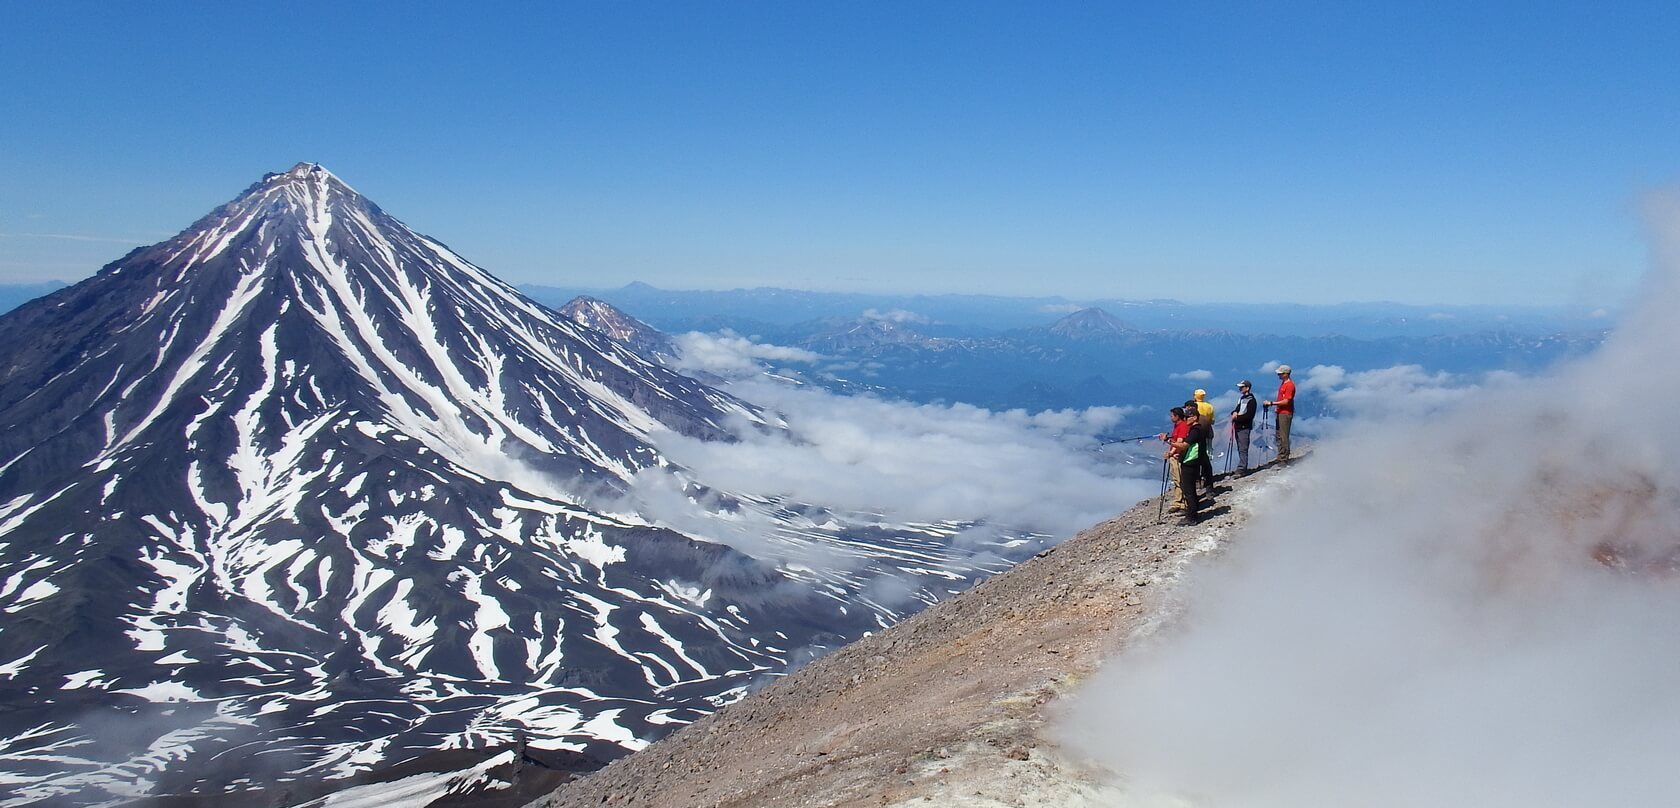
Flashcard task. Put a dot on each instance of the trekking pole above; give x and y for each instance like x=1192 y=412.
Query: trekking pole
x=1271 y=423
x=1230 y=445
x=1161 y=504
x=1112 y=441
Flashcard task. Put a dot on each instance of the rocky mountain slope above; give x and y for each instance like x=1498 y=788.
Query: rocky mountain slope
x=949 y=707
x=300 y=494
x=601 y=317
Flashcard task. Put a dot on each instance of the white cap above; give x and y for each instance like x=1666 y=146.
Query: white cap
x=1282 y=369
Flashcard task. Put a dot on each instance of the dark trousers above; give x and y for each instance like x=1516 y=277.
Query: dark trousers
x=1283 y=419
x=1187 y=473
x=1206 y=461
x=1243 y=435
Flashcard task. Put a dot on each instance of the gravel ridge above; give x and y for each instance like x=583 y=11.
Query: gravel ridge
x=948 y=707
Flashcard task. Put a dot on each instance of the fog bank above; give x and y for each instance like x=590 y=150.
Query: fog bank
x=1466 y=602
x=1008 y=472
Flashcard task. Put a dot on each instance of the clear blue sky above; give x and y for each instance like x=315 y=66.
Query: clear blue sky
x=1249 y=151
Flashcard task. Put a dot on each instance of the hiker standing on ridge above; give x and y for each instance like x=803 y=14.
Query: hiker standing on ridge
x=1180 y=428
x=1242 y=424
x=1193 y=414
x=1285 y=404
x=1183 y=453
x=1204 y=417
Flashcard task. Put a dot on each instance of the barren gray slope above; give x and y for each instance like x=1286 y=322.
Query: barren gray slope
x=949 y=705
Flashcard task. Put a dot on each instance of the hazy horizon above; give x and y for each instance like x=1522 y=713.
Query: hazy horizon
x=1084 y=301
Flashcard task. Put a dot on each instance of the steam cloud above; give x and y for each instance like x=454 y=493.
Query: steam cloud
x=1398 y=393
x=1472 y=607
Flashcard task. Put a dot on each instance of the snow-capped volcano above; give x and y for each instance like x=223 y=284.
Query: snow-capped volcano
x=1091 y=324
x=293 y=495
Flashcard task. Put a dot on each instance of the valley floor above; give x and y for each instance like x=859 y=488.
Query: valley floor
x=950 y=707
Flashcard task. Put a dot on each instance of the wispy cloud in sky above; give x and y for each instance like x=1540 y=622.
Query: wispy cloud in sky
x=75 y=237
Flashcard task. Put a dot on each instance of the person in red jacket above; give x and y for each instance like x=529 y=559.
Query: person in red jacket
x=1184 y=454
x=1285 y=404
x=1180 y=428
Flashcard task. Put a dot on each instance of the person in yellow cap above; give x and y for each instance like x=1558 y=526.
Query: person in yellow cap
x=1204 y=417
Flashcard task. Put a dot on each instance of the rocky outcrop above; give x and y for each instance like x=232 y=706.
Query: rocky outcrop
x=598 y=315
x=949 y=706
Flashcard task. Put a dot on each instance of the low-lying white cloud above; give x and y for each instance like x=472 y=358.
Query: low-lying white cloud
x=1193 y=375
x=1060 y=308
x=894 y=316
x=1012 y=470
x=74 y=237
x=1464 y=606
x=1007 y=473
x=731 y=355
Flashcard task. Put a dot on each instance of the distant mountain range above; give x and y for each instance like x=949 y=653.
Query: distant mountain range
x=1008 y=336
x=1092 y=357
x=769 y=309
